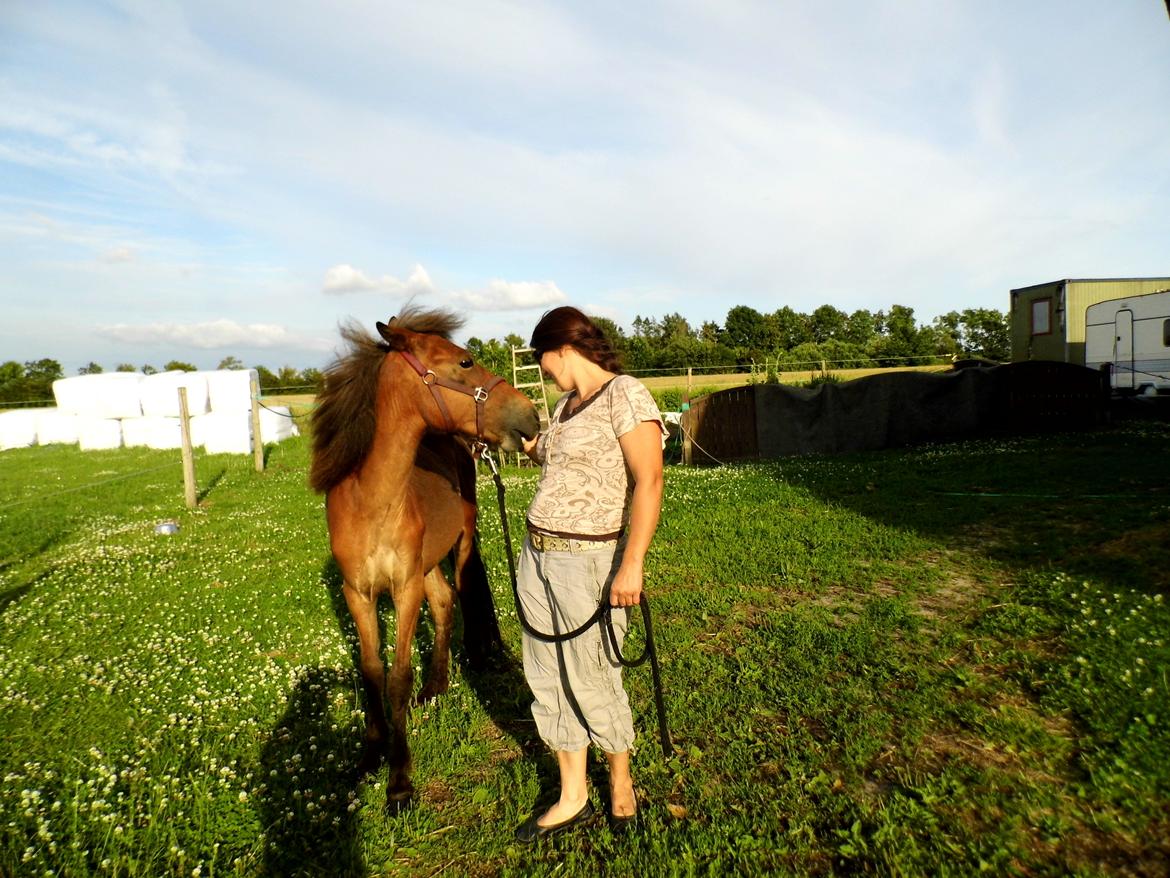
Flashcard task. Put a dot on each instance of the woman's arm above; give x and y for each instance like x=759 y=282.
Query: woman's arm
x=642 y=449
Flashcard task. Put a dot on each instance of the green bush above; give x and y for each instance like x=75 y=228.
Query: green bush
x=670 y=399
x=825 y=378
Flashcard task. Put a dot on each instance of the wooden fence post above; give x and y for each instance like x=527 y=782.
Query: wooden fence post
x=688 y=399
x=188 y=454
x=257 y=442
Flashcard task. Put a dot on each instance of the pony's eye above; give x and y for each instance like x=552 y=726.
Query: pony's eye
x=467 y=363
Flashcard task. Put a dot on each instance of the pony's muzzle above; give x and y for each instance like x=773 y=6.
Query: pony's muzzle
x=520 y=422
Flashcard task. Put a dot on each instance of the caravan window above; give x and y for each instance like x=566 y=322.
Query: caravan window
x=1166 y=333
x=1042 y=317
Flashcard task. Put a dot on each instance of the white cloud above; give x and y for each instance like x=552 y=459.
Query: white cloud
x=498 y=295
x=344 y=278
x=211 y=335
x=502 y=295
x=118 y=254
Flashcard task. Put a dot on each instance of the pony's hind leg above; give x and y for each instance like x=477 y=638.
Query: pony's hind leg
x=364 y=610
x=481 y=632
x=442 y=604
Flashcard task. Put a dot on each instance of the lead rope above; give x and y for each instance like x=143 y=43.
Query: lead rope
x=602 y=615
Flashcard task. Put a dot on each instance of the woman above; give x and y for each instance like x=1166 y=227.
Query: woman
x=590 y=524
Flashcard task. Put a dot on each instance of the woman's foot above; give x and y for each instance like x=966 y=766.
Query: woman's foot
x=623 y=802
x=535 y=828
x=563 y=810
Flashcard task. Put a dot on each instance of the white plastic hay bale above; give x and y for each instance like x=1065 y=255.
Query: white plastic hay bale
x=105 y=395
x=223 y=432
x=152 y=432
x=55 y=427
x=160 y=393
x=230 y=390
x=276 y=425
x=166 y=433
x=18 y=428
x=98 y=434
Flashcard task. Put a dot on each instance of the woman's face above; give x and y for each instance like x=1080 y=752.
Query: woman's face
x=552 y=364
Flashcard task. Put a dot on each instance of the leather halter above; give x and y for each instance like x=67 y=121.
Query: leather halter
x=434 y=382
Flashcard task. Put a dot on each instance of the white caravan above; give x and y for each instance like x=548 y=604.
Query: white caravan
x=1132 y=335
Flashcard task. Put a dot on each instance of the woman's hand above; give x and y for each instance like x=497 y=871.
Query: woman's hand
x=626 y=588
x=529 y=445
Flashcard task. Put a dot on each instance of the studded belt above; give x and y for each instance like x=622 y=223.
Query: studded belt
x=547 y=543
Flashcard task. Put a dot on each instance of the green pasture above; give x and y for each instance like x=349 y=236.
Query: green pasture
x=949 y=660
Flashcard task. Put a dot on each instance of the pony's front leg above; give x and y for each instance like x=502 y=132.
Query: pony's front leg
x=364 y=610
x=407 y=603
x=442 y=604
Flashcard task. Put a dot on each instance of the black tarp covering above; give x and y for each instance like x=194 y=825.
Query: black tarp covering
x=894 y=409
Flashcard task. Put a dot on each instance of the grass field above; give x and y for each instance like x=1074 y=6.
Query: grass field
x=949 y=660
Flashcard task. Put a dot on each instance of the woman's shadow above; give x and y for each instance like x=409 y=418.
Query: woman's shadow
x=309 y=805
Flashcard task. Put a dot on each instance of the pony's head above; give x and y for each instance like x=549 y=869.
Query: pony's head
x=417 y=366
x=453 y=393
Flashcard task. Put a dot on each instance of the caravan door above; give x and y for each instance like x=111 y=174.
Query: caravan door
x=1123 y=377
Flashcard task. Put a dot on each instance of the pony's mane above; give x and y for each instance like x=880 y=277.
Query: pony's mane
x=343 y=422
x=434 y=321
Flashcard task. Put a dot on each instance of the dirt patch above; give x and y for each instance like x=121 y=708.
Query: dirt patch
x=437 y=792
x=955 y=595
x=939 y=747
x=1089 y=850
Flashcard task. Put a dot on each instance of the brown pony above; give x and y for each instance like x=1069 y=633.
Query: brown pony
x=391 y=437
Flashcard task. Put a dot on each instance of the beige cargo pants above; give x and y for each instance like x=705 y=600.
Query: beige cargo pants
x=559 y=590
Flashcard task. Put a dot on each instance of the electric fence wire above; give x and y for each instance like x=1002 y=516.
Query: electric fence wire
x=76 y=488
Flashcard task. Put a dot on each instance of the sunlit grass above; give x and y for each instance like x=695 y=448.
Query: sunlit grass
x=934 y=661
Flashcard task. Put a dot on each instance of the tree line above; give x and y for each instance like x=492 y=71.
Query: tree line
x=782 y=340
x=32 y=381
x=788 y=340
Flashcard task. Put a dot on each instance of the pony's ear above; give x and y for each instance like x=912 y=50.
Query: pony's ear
x=394 y=337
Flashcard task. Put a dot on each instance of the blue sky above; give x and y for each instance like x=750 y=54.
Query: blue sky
x=193 y=180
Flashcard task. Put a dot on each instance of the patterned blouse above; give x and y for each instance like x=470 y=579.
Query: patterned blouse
x=585 y=486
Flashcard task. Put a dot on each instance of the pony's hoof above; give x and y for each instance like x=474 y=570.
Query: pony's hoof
x=431 y=691
x=399 y=802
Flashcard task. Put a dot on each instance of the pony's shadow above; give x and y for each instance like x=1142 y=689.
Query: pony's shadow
x=308 y=806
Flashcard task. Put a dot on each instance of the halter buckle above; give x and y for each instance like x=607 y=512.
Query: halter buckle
x=431 y=375
x=480 y=394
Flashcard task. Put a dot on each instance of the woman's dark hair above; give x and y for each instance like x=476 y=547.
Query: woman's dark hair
x=569 y=326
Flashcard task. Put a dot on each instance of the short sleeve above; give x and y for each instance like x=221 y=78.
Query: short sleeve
x=631 y=404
